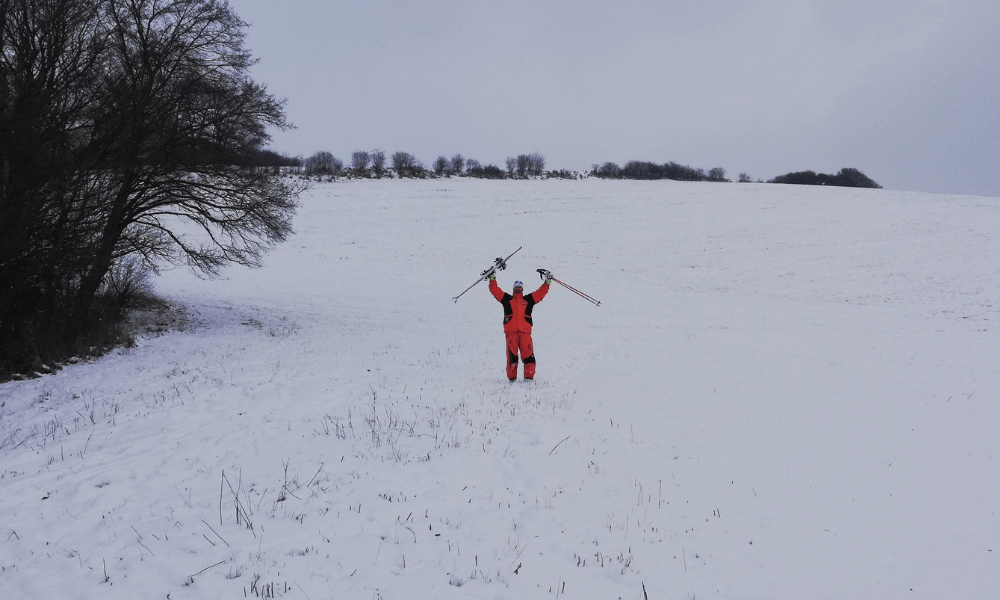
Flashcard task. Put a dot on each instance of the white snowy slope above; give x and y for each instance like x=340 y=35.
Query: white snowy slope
x=787 y=392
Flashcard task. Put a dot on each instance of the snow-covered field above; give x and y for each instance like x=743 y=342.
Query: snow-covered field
x=787 y=392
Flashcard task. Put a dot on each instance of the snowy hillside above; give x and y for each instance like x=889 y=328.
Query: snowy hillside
x=787 y=392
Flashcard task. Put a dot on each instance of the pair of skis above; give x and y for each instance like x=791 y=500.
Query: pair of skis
x=499 y=264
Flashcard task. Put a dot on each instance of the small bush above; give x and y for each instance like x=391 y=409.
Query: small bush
x=608 y=170
x=440 y=165
x=526 y=165
x=323 y=163
x=846 y=177
x=42 y=342
x=717 y=174
x=485 y=172
x=127 y=286
x=359 y=162
x=378 y=163
x=407 y=165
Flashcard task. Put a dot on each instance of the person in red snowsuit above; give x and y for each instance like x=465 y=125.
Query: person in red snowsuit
x=517 y=324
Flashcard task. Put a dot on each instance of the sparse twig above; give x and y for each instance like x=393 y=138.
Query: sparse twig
x=315 y=476
x=557 y=445
x=221 y=483
x=205 y=569
x=240 y=511
x=87 y=445
x=186 y=502
x=302 y=590
x=216 y=533
x=517 y=557
x=139 y=539
x=284 y=487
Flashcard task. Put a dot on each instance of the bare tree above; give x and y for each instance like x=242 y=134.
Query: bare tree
x=536 y=164
x=528 y=165
x=511 y=165
x=151 y=125
x=522 y=165
x=359 y=161
x=181 y=116
x=323 y=163
x=49 y=199
x=717 y=174
x=378 y=163
x=608 y=170
x=440 y=165
x=402 y=160
x=457 y=164
x=474 y=169
x=406 y=165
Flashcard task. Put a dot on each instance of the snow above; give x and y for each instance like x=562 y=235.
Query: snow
x=787 y=392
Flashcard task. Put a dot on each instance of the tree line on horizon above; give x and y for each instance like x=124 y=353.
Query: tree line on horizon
x=376 y=164
x=523 y=166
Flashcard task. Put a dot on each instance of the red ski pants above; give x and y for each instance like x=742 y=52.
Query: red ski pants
x=518 y=342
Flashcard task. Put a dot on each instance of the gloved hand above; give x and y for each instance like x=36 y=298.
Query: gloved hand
x=492 y=277
x=548 y=279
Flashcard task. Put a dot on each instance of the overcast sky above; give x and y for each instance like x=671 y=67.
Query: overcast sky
x=908 y=91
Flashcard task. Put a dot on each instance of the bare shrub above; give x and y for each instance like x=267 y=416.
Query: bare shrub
x=407 y=165
x=359 y=162
x=717 y=174
x=378 y=163
x=440 y=165
x=127 y=285
x=323 y=163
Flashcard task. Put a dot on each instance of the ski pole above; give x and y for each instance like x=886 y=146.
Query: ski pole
x=577 y=292
x=543 y=273
x=499 y=263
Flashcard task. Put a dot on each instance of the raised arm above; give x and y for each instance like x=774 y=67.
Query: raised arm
x=540 y=293
x=495 y=289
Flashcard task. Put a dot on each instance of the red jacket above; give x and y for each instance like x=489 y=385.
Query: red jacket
x=517 y=308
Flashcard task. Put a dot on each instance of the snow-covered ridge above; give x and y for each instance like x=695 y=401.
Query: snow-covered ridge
x=787 y=392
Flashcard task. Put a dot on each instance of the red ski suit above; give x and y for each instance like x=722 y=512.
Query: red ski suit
x=517 y=327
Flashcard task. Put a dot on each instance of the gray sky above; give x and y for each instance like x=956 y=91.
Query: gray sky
x=908 y=91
